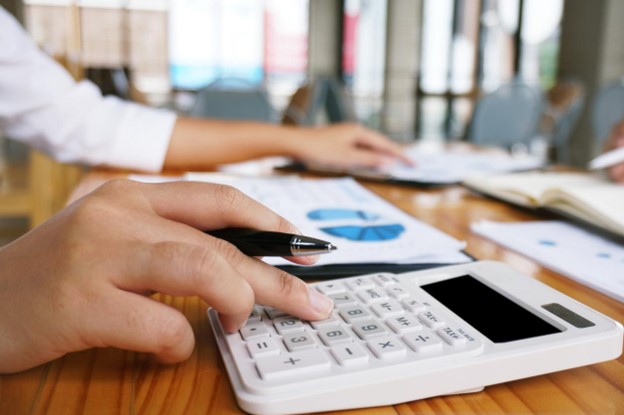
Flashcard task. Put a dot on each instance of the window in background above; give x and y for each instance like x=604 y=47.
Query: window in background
x=499 y=24
x=520 y=38
x=285 y=48
x=448 y=67
x=540 y=41
x=50 y=25
x=436 y=61
x=258 y=42
x=470 y=47
x=148 y=47
x=211 y=39
x=363 y=56
x=111 y=40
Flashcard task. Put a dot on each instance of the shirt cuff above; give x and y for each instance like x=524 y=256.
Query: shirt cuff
x=143 y=138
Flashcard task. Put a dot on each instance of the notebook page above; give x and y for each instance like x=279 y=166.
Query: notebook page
x=602 y=204
x=529 y=187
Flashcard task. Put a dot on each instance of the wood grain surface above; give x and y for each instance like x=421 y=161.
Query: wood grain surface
x=111 y=381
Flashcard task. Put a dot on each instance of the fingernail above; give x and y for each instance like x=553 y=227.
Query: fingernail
x=320 y=303
x=230 y=325
x=312 y=259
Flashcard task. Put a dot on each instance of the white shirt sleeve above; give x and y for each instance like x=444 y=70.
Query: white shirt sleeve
x=41 y=105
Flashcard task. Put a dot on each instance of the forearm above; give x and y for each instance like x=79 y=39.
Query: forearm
x=203 y=142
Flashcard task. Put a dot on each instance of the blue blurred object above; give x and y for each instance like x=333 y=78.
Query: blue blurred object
x=233 y=99
x=507 y=116
x=332 y=214
x=366 y=233
x=607 y=110
x=320 y=101
x=565 y=106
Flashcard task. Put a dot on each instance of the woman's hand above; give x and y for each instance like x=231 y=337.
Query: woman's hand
x=347 y=145
x=200 y=143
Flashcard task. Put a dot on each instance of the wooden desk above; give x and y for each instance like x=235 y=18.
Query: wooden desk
x=110 y=381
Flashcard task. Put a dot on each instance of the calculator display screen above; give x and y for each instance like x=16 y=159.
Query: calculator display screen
x=494 y=315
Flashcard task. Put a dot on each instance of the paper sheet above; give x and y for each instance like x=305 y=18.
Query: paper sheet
x=571 y=251
x=363 y=226
x=439 y=166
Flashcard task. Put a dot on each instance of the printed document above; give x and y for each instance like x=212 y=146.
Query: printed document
x=364 y=227
x=569 y=250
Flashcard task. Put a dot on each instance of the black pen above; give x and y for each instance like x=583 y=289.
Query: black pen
x=255 y=242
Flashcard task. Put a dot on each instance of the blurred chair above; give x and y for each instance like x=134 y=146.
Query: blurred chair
x=233 y=99
x=607 y=110
x=111 y=81
x=564 y=104
x=319 y=101
x=506 y=117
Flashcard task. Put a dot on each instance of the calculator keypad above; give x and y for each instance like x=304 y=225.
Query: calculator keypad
x=377 y=321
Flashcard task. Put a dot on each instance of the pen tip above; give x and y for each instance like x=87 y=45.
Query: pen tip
x=331 y=247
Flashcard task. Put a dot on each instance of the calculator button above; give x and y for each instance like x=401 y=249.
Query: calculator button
x=398 y=292
x=422 y=342
x=387 y=348
x=354 y=313
x=431 y=319
x=330 y=321
x=334 y=334
x=359 y=284
x=369 y=328
x=254 y=329
x=293 y=365
x=341 y=300
x=387 y=309
x=384 y=280
x=350 y=354
x=372 y=295
x=468 y=335
x=404 y=324
x=274 y=312
x=262 y=346
x=329 y=288
x=299 y=340
x=451 y=336
x=286 y=324
x=413 y=305
x=255 y=315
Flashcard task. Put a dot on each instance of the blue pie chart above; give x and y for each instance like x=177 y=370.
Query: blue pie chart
x=333 y=214
x=366 y=233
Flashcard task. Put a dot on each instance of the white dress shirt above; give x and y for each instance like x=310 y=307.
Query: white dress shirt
x=41 y=105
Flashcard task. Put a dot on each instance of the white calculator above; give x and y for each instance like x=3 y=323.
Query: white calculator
x=395 y=338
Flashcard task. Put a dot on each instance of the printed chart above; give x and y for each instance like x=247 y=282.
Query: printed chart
x=364 y=227
x=362 y=233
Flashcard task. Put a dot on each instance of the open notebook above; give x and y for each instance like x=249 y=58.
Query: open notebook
x=588 y=198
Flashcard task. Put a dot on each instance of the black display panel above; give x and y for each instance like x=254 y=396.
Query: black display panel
x=494 y=315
